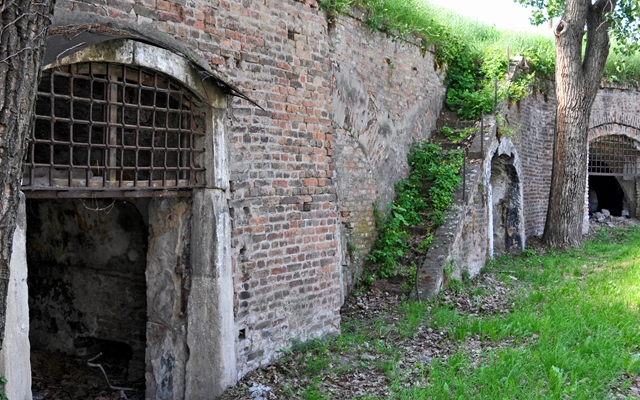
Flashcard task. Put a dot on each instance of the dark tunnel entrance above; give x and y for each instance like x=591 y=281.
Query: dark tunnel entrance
x=87 y=293
x=608 y=196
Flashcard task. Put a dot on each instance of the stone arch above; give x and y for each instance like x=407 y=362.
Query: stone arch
x=613 y=128
x=504 y=196
x=194 y=330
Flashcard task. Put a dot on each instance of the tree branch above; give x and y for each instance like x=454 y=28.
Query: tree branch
x=598 y=43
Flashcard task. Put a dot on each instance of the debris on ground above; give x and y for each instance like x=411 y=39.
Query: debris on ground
x=59 y=376
x=361 y=369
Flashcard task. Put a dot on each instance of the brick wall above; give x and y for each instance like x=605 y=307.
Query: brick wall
x=535 y=115
x=616 y=110
x=339 y=111
x=282 y=196
x=387 y=94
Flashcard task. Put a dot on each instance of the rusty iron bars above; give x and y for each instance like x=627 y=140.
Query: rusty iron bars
x=110 y=127
x=614 y=155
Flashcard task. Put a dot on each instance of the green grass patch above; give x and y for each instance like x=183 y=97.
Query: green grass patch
x=576 y=327
x=573 y=332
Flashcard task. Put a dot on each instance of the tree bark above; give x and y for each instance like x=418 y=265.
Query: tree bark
x=577 y=83
x=23 y=27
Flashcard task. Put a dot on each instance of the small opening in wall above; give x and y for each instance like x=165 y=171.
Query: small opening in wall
x=242 y=334
x=291 y=34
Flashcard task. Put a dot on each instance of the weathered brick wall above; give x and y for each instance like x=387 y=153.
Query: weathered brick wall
x=535 y=115
x=375 y=94
x=387 y=94
x=616 y=110
x=282 y=198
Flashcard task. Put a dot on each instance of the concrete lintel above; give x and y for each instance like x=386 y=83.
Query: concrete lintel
x=131 y=52
x=15 y=364
x=211 y=330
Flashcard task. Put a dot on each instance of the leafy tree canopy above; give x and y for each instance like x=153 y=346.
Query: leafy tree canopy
x=625 y=19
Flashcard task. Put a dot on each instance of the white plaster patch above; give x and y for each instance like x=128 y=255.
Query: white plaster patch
x=15 y=364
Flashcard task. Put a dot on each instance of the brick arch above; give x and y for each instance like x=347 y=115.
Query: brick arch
x=602 y=125
x=613 y=128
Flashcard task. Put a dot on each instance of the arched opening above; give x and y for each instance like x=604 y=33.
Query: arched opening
x=126 y=169
x=605 y=193
x=505 y=205
x=613 y=171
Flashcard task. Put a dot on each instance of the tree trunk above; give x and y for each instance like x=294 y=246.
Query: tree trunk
x=23 y=27
x=577 y=82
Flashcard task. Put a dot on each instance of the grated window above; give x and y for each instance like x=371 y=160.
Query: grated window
x=614 y=155
x=111 y=127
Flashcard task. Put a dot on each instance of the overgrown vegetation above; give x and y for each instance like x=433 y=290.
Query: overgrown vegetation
x=421 y=198
x=475 y=54
x=556 y=325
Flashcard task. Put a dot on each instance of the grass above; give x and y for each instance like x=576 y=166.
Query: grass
x=573 y=331
x=475 y=53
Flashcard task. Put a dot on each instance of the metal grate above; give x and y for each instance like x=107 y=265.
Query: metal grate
x=614 y=155
x=101 y=126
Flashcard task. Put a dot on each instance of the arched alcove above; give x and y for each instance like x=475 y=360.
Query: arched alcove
x=506 y=205
x=609 y=195
x=614 y=166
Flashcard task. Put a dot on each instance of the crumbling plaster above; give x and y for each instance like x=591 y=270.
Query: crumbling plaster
x=505 y=147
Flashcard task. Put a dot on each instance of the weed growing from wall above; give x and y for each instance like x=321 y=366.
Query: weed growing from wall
x=421 y=200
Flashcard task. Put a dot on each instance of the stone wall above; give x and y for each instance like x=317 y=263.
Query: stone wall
x=387 y=94
x=167 y=283
x=467 y=238
x=461 y=243
x=291 y=242
x=616 y=110
x=337 y=111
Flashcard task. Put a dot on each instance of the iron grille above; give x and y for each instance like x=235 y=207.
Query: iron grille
x=614 y=155
x=101 y=126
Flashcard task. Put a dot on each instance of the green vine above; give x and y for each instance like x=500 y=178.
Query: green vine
x=473 y=66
